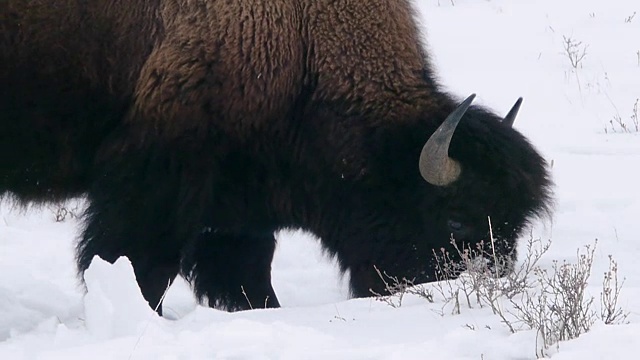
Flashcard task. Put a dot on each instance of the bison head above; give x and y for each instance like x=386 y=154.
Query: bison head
x=489 y=180
x=476 y=177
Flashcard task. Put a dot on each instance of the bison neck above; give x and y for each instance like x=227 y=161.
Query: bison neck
x=330 y=175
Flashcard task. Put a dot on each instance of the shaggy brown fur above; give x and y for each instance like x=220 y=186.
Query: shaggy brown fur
x=197 y=128
x=68 y=71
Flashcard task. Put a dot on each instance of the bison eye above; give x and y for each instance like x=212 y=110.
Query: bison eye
x=454 y=226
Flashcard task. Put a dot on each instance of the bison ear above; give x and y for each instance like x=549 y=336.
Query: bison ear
x=435 y=165
x=511 y=115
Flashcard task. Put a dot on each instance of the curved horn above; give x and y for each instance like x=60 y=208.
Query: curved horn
x=511 y=116
x=436 y=167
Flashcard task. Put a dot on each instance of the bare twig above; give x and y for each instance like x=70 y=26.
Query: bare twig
x=396 y=289
x=575 y=51
x=247 y=298
x=610 y=313
x=629 y=18
x=619 y=125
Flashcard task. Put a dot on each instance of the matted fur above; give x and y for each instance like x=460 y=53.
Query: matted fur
x=198 y=128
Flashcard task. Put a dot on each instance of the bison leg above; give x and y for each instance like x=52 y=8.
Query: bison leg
x=114 y=231
x=365 y=281
x=232 y=271
x=367 y=277
x=145 y=205
x=155 y=267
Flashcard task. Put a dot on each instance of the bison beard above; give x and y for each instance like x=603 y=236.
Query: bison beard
x=196 y=129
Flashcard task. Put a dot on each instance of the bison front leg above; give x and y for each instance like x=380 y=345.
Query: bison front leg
x=113 y=231
x=372 y=268
x=145 y=205
x=232 y=271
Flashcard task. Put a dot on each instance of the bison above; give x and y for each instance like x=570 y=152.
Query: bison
x=196 y=129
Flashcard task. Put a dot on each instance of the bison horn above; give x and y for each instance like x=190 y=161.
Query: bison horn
x=511 y=116
x=436 y=167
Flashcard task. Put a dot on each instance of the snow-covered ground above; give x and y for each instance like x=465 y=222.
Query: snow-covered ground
x=498 y=49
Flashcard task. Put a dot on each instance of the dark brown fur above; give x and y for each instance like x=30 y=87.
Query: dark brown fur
x=197 y=128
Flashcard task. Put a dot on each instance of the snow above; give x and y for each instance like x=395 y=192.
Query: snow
x=497 y=49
